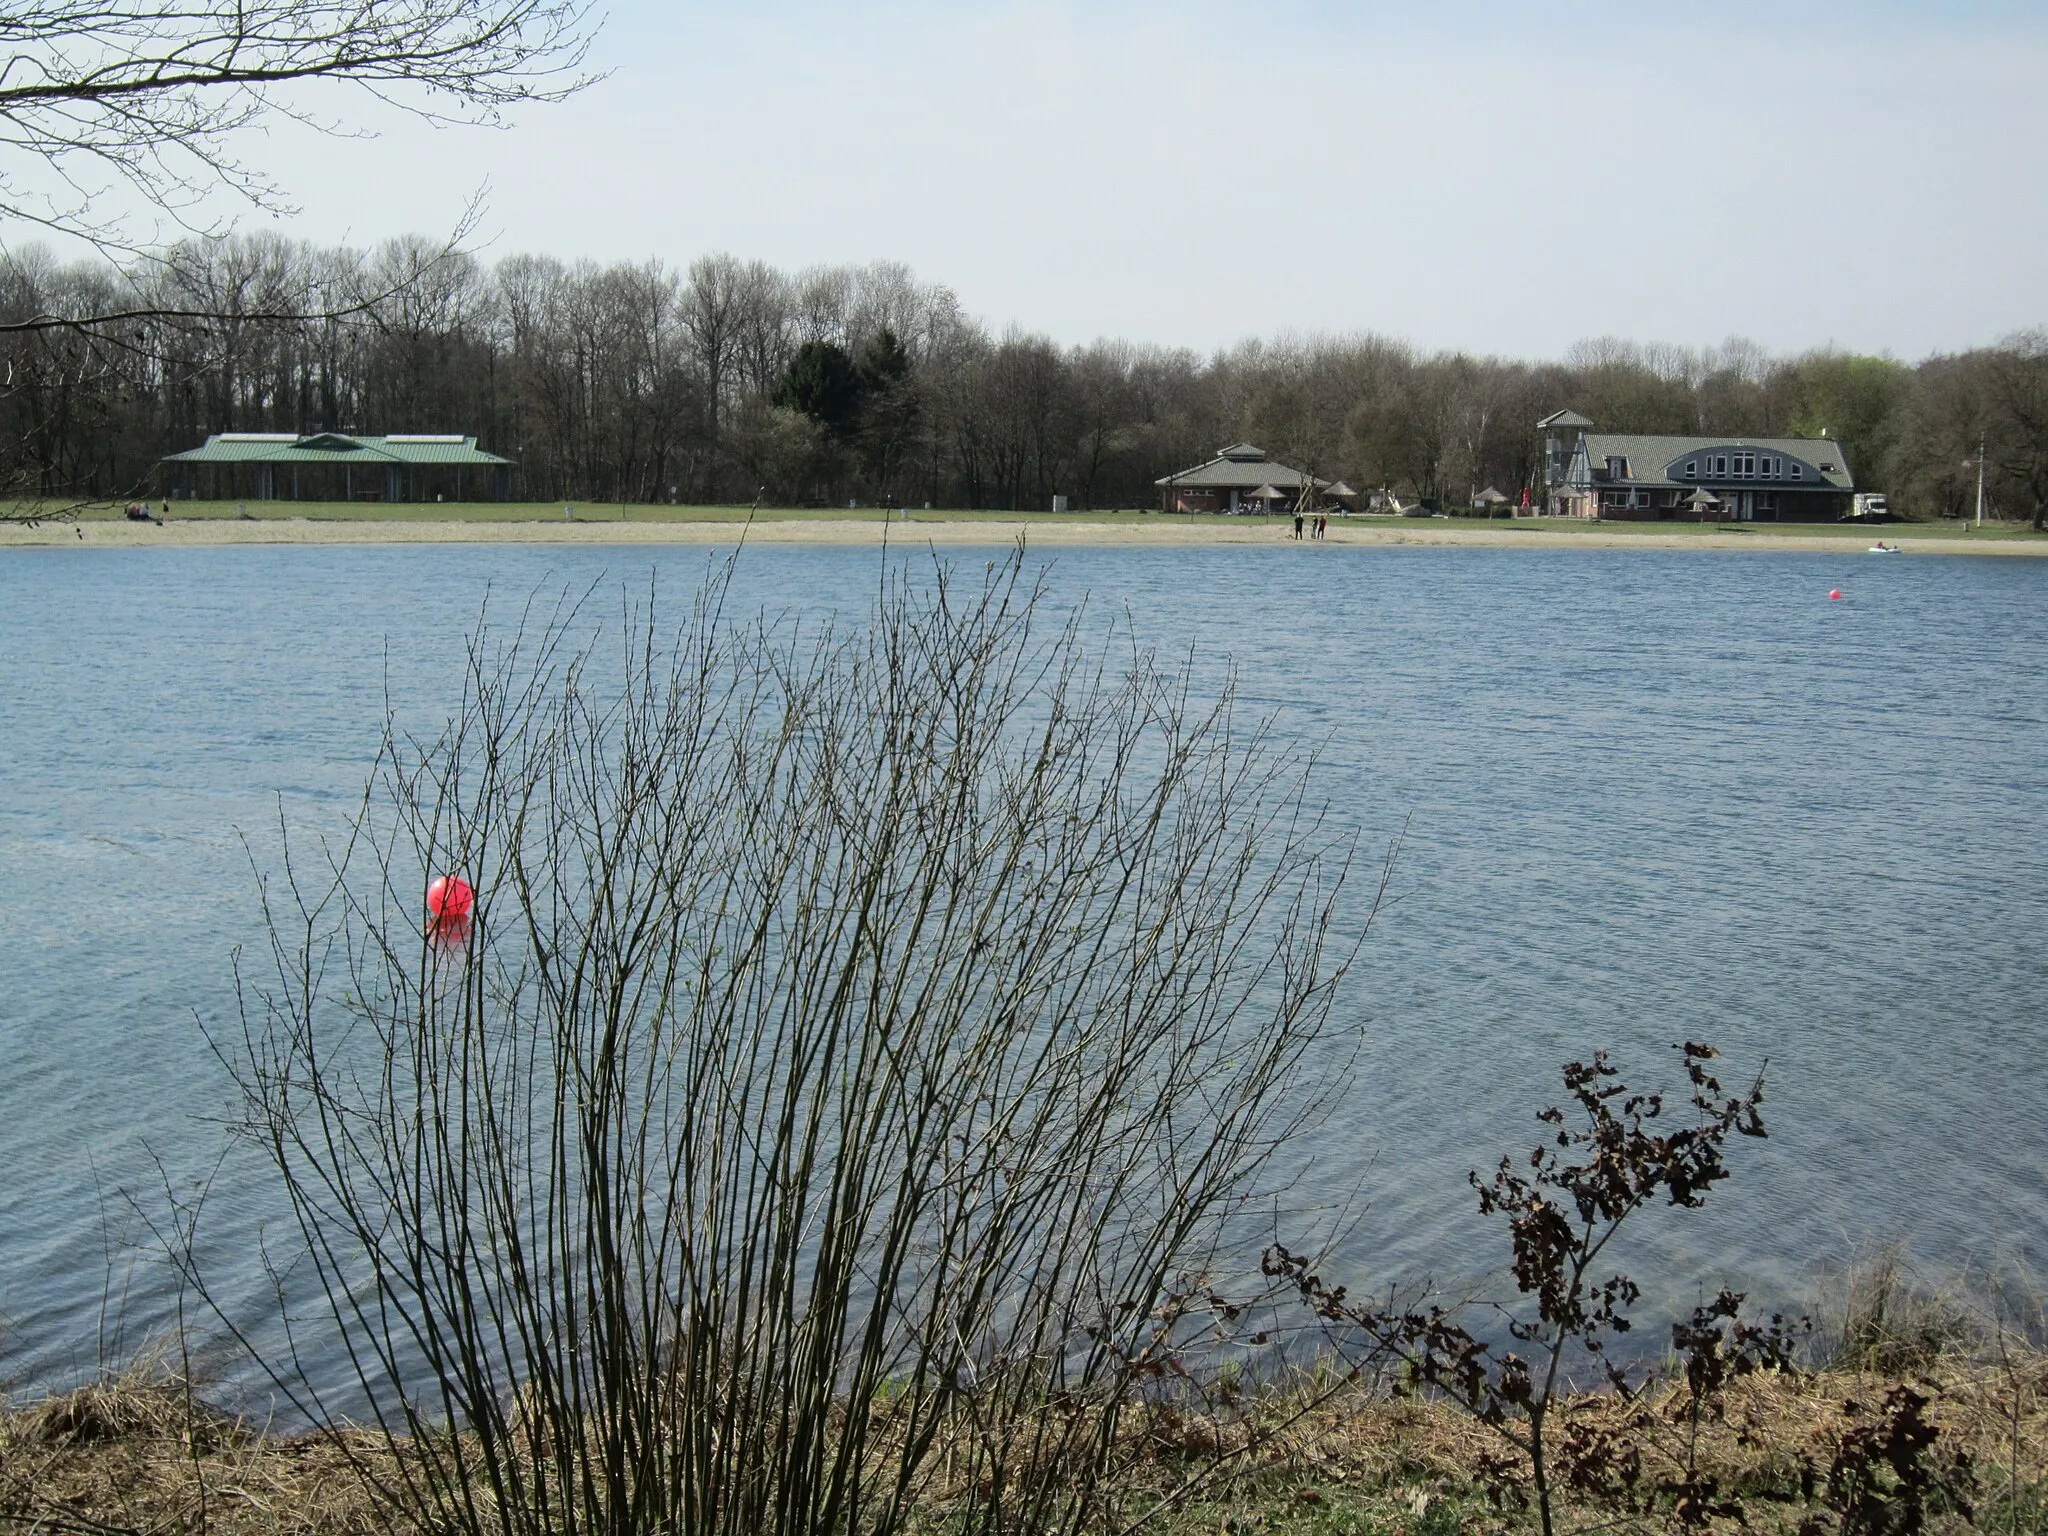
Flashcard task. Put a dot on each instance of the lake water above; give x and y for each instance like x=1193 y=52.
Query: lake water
x=1647 y=796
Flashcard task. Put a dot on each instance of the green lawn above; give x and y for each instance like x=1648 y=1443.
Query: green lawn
x=586 y=512
x=612 y=512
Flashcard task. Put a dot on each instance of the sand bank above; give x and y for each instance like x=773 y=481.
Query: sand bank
x=1080 y=532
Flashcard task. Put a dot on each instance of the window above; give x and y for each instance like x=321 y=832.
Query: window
x=1617 y=468
x=1798 y=471
x=1721 y=465
x=1745 y=465
x=1692 y=469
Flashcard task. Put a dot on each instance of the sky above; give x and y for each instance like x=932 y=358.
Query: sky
x=1502 y=178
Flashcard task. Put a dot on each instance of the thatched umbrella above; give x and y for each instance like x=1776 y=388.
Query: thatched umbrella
x=1700 y=500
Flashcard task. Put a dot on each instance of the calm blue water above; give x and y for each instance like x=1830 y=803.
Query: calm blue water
x=1646 y=795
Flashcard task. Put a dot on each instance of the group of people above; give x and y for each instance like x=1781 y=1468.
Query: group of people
x=1316 y=524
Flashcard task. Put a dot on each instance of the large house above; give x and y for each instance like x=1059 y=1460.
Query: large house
x=337 y=466
x=1239 y=479
x=1713 y=479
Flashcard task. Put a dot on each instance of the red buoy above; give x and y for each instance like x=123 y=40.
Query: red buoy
x=450 y=898
x=1835 y=596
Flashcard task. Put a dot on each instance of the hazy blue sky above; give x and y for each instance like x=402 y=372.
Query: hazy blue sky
x=1493 y=176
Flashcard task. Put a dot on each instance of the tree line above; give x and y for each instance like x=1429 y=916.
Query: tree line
x=726 y=379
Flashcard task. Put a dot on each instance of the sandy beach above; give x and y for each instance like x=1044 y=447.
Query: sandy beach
x=935 y=529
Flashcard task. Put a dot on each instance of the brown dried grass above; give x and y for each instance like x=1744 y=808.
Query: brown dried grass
x=1385 y=1460
x=144 y=1456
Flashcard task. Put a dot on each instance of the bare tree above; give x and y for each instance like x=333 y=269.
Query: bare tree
x=1102 y=412
x=60 y=391
x=766 y=325
x=821 y=302
x=149 y=95
x=2018 y=376
x=715 y=301
x=1947 y=422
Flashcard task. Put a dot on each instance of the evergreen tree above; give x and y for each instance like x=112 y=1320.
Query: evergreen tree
x=823 y=383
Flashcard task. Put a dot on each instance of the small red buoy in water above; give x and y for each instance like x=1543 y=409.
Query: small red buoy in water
x=1835 y=596
x=450 y=898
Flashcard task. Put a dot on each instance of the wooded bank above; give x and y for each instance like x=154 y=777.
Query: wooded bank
x=725 y=379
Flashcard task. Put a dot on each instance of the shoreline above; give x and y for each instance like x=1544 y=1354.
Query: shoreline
x=144 y=1452
x=934 y=529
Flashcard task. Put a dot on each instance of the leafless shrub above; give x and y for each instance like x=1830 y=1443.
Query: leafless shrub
x=864 y=1040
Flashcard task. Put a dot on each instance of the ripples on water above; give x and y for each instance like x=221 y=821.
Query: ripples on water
x=1647 y=796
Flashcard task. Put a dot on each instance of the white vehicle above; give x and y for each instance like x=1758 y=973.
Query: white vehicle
x=1871 y=505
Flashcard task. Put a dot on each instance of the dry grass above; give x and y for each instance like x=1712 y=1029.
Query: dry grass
x=141 y=1456
x=1882 y=1314
x=1414 y=1467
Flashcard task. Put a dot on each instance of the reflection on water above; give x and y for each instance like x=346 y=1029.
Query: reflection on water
x=1646 y=797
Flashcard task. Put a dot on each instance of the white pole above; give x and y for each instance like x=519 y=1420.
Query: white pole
x=1980 y=484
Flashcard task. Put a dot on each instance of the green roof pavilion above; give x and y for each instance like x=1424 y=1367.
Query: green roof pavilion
x=337 y=466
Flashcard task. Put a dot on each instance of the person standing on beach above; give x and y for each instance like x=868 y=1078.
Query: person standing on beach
x=1297 y=525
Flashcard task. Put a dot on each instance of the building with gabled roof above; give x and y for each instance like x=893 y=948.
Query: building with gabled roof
x=1646 y=476
x=1231 y=481
x=337 y=466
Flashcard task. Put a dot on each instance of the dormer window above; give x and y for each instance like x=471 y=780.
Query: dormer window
x=1617 y=467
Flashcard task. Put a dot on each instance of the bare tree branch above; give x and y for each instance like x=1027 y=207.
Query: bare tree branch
x=150 y=94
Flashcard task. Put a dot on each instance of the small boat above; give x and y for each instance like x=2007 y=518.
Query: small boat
x=1882 y=548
